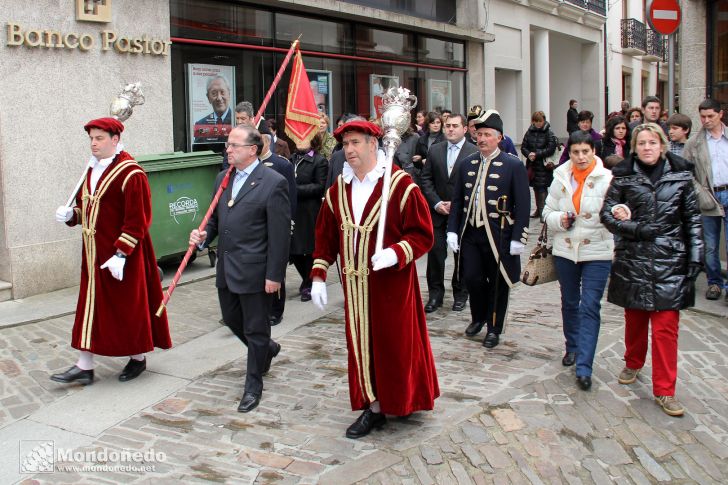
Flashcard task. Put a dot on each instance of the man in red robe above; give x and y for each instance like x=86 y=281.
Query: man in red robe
x=391 y=368
x=120 y=286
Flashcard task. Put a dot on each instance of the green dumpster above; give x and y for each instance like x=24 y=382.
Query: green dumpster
x=181 y=185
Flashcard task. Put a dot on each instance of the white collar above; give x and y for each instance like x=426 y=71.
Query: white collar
x=723 y=134
x=348 y=172
x=104 y=162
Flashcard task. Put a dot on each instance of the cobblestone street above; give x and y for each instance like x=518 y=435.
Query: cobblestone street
x=509 y=415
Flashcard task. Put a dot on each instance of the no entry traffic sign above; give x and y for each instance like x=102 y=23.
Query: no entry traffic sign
x=664 y=15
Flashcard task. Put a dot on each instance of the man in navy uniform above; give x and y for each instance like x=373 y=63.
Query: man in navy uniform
x=474 y=223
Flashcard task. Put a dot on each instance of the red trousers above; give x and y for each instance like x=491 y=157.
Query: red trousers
x=664 y=346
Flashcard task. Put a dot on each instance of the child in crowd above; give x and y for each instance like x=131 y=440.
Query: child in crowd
x=679 y=130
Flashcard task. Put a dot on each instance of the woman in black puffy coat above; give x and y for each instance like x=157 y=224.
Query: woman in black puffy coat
x=538 y=144
x=652 y=210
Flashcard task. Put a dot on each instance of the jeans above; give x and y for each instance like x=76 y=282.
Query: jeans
x=711 y=236
x=582 y=286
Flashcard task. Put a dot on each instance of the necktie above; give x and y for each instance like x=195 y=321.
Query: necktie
x=452 y=155
x=238 y=182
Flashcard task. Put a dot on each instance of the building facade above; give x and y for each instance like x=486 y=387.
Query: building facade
x=62 y=63
x=636 y=56
x=545 y=53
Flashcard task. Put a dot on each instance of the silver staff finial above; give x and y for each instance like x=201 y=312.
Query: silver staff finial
x=123 y=105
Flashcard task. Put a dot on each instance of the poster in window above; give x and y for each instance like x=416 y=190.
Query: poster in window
x=378 y=85
x=210 y=102
x=440 y=94
x=321 y=88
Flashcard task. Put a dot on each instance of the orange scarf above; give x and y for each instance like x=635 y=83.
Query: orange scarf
x=580 y=177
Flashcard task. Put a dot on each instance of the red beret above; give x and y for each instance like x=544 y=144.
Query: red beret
x=366 y=127
x=110 y=125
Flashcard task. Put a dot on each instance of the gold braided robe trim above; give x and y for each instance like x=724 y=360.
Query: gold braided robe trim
x=88 y=223
x=356 y=274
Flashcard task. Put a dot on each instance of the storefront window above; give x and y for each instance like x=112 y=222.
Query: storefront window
x=316 y=35
x=444 y=52
x=437 y=10
x=341 y=83
x=222 y=22
x=385 y=43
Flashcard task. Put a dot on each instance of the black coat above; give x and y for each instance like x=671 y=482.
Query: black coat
x=608 y=148
x=542 y=142
x=311 y=174
x=422 y=147
x=653 y=275
x=572 y=120
x=436 y=184
x=253 y=233
x=405 y=152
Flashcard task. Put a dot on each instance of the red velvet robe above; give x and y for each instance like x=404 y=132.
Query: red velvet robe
x=116 y=318
x=390 y=359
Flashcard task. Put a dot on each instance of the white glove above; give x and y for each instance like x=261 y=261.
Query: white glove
x=517 y=248
x=318 y=294
x=452 y=242
x=116 y=266
x=384 y=259
x=64 y=213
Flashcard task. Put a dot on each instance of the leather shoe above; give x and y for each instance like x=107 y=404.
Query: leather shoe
x=459 y=305
x=273 y=320
x=249 y=402
x=584 y=382
x=474 y=329
x=569 y=359
x=306 y=294
x=432 y=305
x=275 y=347
x=491 y=340
x=132 y=369
x=74 y=374
x=365 y=424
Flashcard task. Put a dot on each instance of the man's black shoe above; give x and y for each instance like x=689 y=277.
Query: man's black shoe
x=584 y=382
x=249 y=402
x=74 y=374
x=491 y=340
x=432 y=305
x=132 y=369
x=273 y=320
x=275 y=347
x=569 y=359
x=365 y=424
x=459 y=305
x=474 y=329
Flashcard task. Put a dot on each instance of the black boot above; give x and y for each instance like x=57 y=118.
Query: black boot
x=365 y=424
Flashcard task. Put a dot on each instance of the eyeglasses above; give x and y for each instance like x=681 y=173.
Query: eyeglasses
x=236 y=145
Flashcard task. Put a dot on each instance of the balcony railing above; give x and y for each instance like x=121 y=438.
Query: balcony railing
x=665 y=50
x=655 y=45
x=596 y=6
x=633 y=37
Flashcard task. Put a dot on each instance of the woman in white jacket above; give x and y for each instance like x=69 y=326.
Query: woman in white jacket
x=583 y=249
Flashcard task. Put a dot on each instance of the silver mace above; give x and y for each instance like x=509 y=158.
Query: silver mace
x=397 y=103
x=121 y=108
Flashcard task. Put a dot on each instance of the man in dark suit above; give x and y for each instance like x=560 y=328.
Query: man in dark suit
x=253 y=222
x=482 y=180
x=437 y=180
